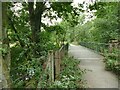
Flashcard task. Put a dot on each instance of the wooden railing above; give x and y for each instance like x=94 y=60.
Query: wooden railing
x=53 y=63
x=51 y=67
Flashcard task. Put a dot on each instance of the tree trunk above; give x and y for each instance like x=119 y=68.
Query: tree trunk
x=35 y=19
x=35 y=16
x=5 y=45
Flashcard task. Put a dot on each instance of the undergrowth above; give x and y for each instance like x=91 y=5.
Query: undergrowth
x=71 y=74
x=112 y=61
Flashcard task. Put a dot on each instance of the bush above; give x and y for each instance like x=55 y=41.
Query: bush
x=112 y=62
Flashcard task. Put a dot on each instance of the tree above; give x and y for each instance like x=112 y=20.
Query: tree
x=105 y=25
x=31 y=38
x=61 y=10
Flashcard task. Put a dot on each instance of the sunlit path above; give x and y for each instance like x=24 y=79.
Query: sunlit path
x=96 y=75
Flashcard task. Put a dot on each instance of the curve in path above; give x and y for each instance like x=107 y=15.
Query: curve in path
x=96 y=76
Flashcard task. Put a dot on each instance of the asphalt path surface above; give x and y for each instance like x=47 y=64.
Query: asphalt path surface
x=96 y=76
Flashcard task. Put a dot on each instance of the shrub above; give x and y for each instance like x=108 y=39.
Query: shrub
x=112 y=62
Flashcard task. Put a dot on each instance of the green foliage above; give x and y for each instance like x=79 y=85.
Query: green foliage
x=71 y=74
x=27 y=68
x=30 y=38
x=97 y=34
x=106 y=28
x=112 y=61
x=103 y=28
x=4 y=51
x=83 y=33
x=33 y=39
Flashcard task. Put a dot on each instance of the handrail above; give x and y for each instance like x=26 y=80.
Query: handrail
x=61 y=48
x=65 y=47
x=99 y=47
x=96 y=43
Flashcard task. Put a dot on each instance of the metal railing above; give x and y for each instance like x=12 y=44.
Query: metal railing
x=98 y=47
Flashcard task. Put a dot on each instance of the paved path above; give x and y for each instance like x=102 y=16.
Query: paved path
x=96 y=76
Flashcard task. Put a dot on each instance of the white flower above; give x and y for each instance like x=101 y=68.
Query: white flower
x=58 y=83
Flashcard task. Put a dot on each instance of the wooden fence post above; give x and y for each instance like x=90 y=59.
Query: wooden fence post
x=110 y=47
x=62 y=54
x=57 y=64
x=51 y=66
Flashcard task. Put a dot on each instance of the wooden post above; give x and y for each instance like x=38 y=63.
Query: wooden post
x=57 y=64
x=60 y=54
x=113 y=44
x=66 y=48
x=63 y=51
x=51 y=66
x=110 y=47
